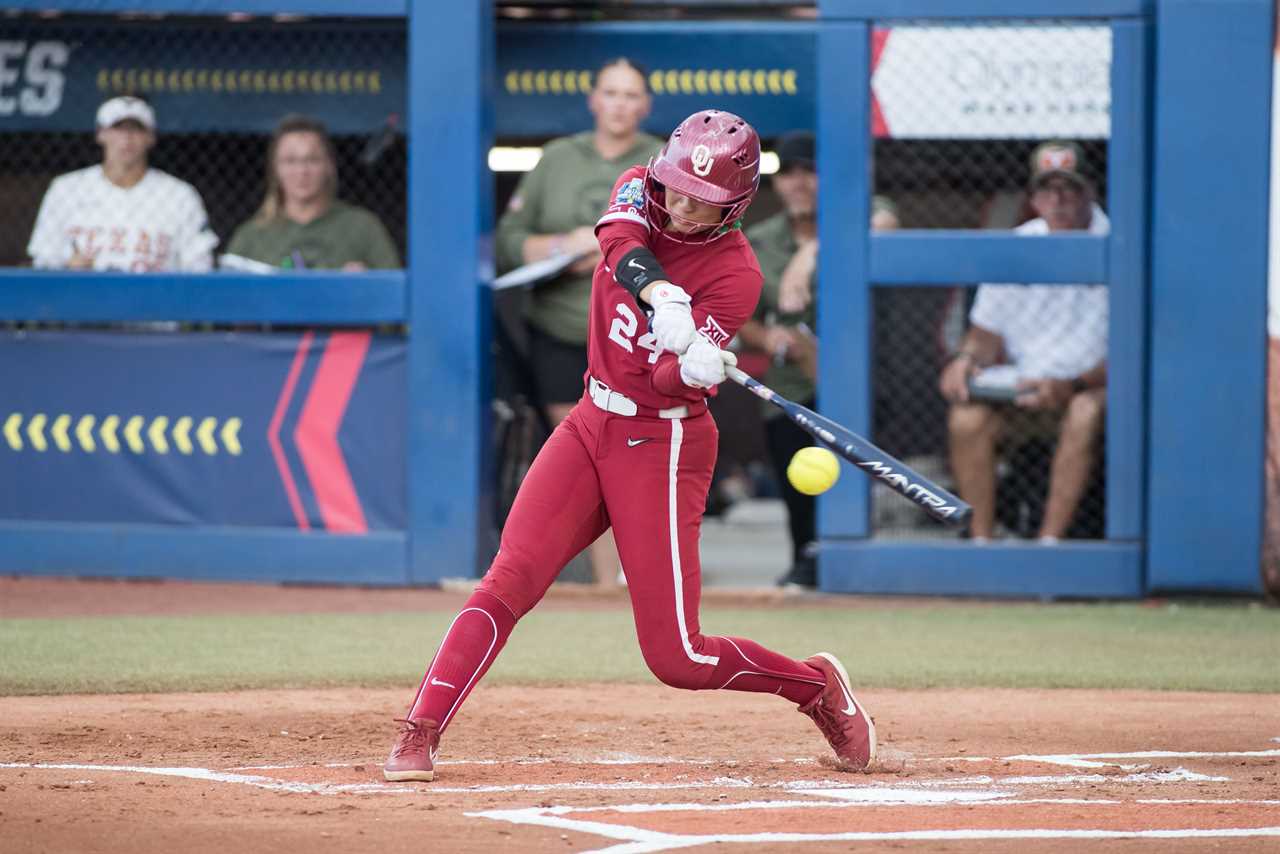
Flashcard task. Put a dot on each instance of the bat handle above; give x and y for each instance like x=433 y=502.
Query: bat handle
x=736 y=374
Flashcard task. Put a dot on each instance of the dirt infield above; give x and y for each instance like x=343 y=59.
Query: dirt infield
x=623 y=768
x=578 y=769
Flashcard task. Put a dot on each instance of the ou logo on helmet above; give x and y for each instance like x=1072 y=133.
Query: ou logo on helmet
x=702 y=160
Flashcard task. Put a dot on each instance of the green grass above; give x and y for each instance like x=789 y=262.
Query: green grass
x=1169 y=647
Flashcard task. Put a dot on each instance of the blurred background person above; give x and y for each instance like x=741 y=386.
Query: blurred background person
x=1048 y=346
x=302 y=222
x=786 y=245
x=554 y=211
x=122 y=214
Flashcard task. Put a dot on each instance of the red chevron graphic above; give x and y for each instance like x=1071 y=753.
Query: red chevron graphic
x=879 y=127
x=317 y=432
x=273 y=431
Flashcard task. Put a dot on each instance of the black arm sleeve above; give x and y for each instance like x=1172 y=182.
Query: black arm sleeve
x=636 y=270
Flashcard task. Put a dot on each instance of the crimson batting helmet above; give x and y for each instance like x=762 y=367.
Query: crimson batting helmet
x=712 y=157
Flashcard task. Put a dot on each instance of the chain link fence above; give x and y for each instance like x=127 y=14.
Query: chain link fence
x=216 y=89
x=959 y=111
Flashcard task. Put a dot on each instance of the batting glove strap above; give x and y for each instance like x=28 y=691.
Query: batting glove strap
x=672 y=322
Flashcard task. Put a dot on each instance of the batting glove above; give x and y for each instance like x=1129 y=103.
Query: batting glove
x=672 y=318
x=702 y=365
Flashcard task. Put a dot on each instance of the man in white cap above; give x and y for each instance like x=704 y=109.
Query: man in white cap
x=121 y=214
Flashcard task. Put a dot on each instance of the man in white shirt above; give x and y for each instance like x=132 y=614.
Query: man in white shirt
x=121 y=214
x=1034 y=348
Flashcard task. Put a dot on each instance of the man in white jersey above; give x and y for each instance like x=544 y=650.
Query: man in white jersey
x=121 y=214
x=1034 y=349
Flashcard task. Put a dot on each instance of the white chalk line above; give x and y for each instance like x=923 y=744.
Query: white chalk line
x=832 y=794
x=1093 y=760
x=898 y=798
x=542 y=760
x=1075 y=760
x=223 y=777
x=638 y=840
x=915 y=791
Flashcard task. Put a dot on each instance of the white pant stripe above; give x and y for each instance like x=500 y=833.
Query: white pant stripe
x=427 y=679
x=677 y=434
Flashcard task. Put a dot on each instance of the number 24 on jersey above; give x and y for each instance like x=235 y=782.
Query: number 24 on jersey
x=623 y=330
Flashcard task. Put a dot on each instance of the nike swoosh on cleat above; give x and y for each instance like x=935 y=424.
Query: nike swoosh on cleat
x=631 y=443
x=435 y=681
x=852 y=708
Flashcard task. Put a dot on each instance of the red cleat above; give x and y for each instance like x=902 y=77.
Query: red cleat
x=414 y=754
x=847 y=726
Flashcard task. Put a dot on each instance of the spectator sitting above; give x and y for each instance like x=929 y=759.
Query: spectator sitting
x=301 y=222
x=1049 y=343
x=554 y=210
x=122 y=214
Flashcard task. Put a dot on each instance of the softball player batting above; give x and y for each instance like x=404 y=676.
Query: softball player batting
x=636 y=453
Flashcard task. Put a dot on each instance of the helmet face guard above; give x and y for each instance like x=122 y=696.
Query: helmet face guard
x=694 y=231
x=713 y=157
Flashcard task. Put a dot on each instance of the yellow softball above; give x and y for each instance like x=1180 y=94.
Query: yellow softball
x=813 y=470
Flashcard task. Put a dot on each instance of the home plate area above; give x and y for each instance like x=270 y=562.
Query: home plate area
x=637 y=804
x=553 y=769
x=1152 y=794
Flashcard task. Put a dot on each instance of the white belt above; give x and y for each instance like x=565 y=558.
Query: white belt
x=619 y=404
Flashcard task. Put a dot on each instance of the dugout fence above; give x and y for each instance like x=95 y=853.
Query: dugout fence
x=413 y=99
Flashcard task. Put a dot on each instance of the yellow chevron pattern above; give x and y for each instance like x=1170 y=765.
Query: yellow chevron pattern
x=59 y=433
x=84 y=433
x=107 y=432
x=182 y=435
x=133 y=434
x=204 y=435
x=69 y=433
x=156 y=434
x=12 y=430
x=663 y=81
x=231 y=436
x=35 y=431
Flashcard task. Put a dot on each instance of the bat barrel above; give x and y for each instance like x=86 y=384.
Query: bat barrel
x=901 y=478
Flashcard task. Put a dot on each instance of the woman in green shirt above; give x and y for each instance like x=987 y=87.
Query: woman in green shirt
x=301 y=222
x=554 y=210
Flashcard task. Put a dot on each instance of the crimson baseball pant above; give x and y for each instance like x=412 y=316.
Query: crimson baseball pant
x=648 y=478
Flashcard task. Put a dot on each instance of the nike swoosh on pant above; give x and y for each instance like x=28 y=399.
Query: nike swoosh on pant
x=443 y=684
x=631 y=443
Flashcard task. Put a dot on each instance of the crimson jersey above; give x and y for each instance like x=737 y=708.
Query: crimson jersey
x=722 y=279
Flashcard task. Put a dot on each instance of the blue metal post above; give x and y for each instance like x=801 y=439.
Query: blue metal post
x=450 y=220
x=1209 y=300
x=844 y=319
x=1127 y=176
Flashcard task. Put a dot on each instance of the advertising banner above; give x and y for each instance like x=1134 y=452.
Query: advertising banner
x=299 y=430
x=991 y=82
x=951 y=82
